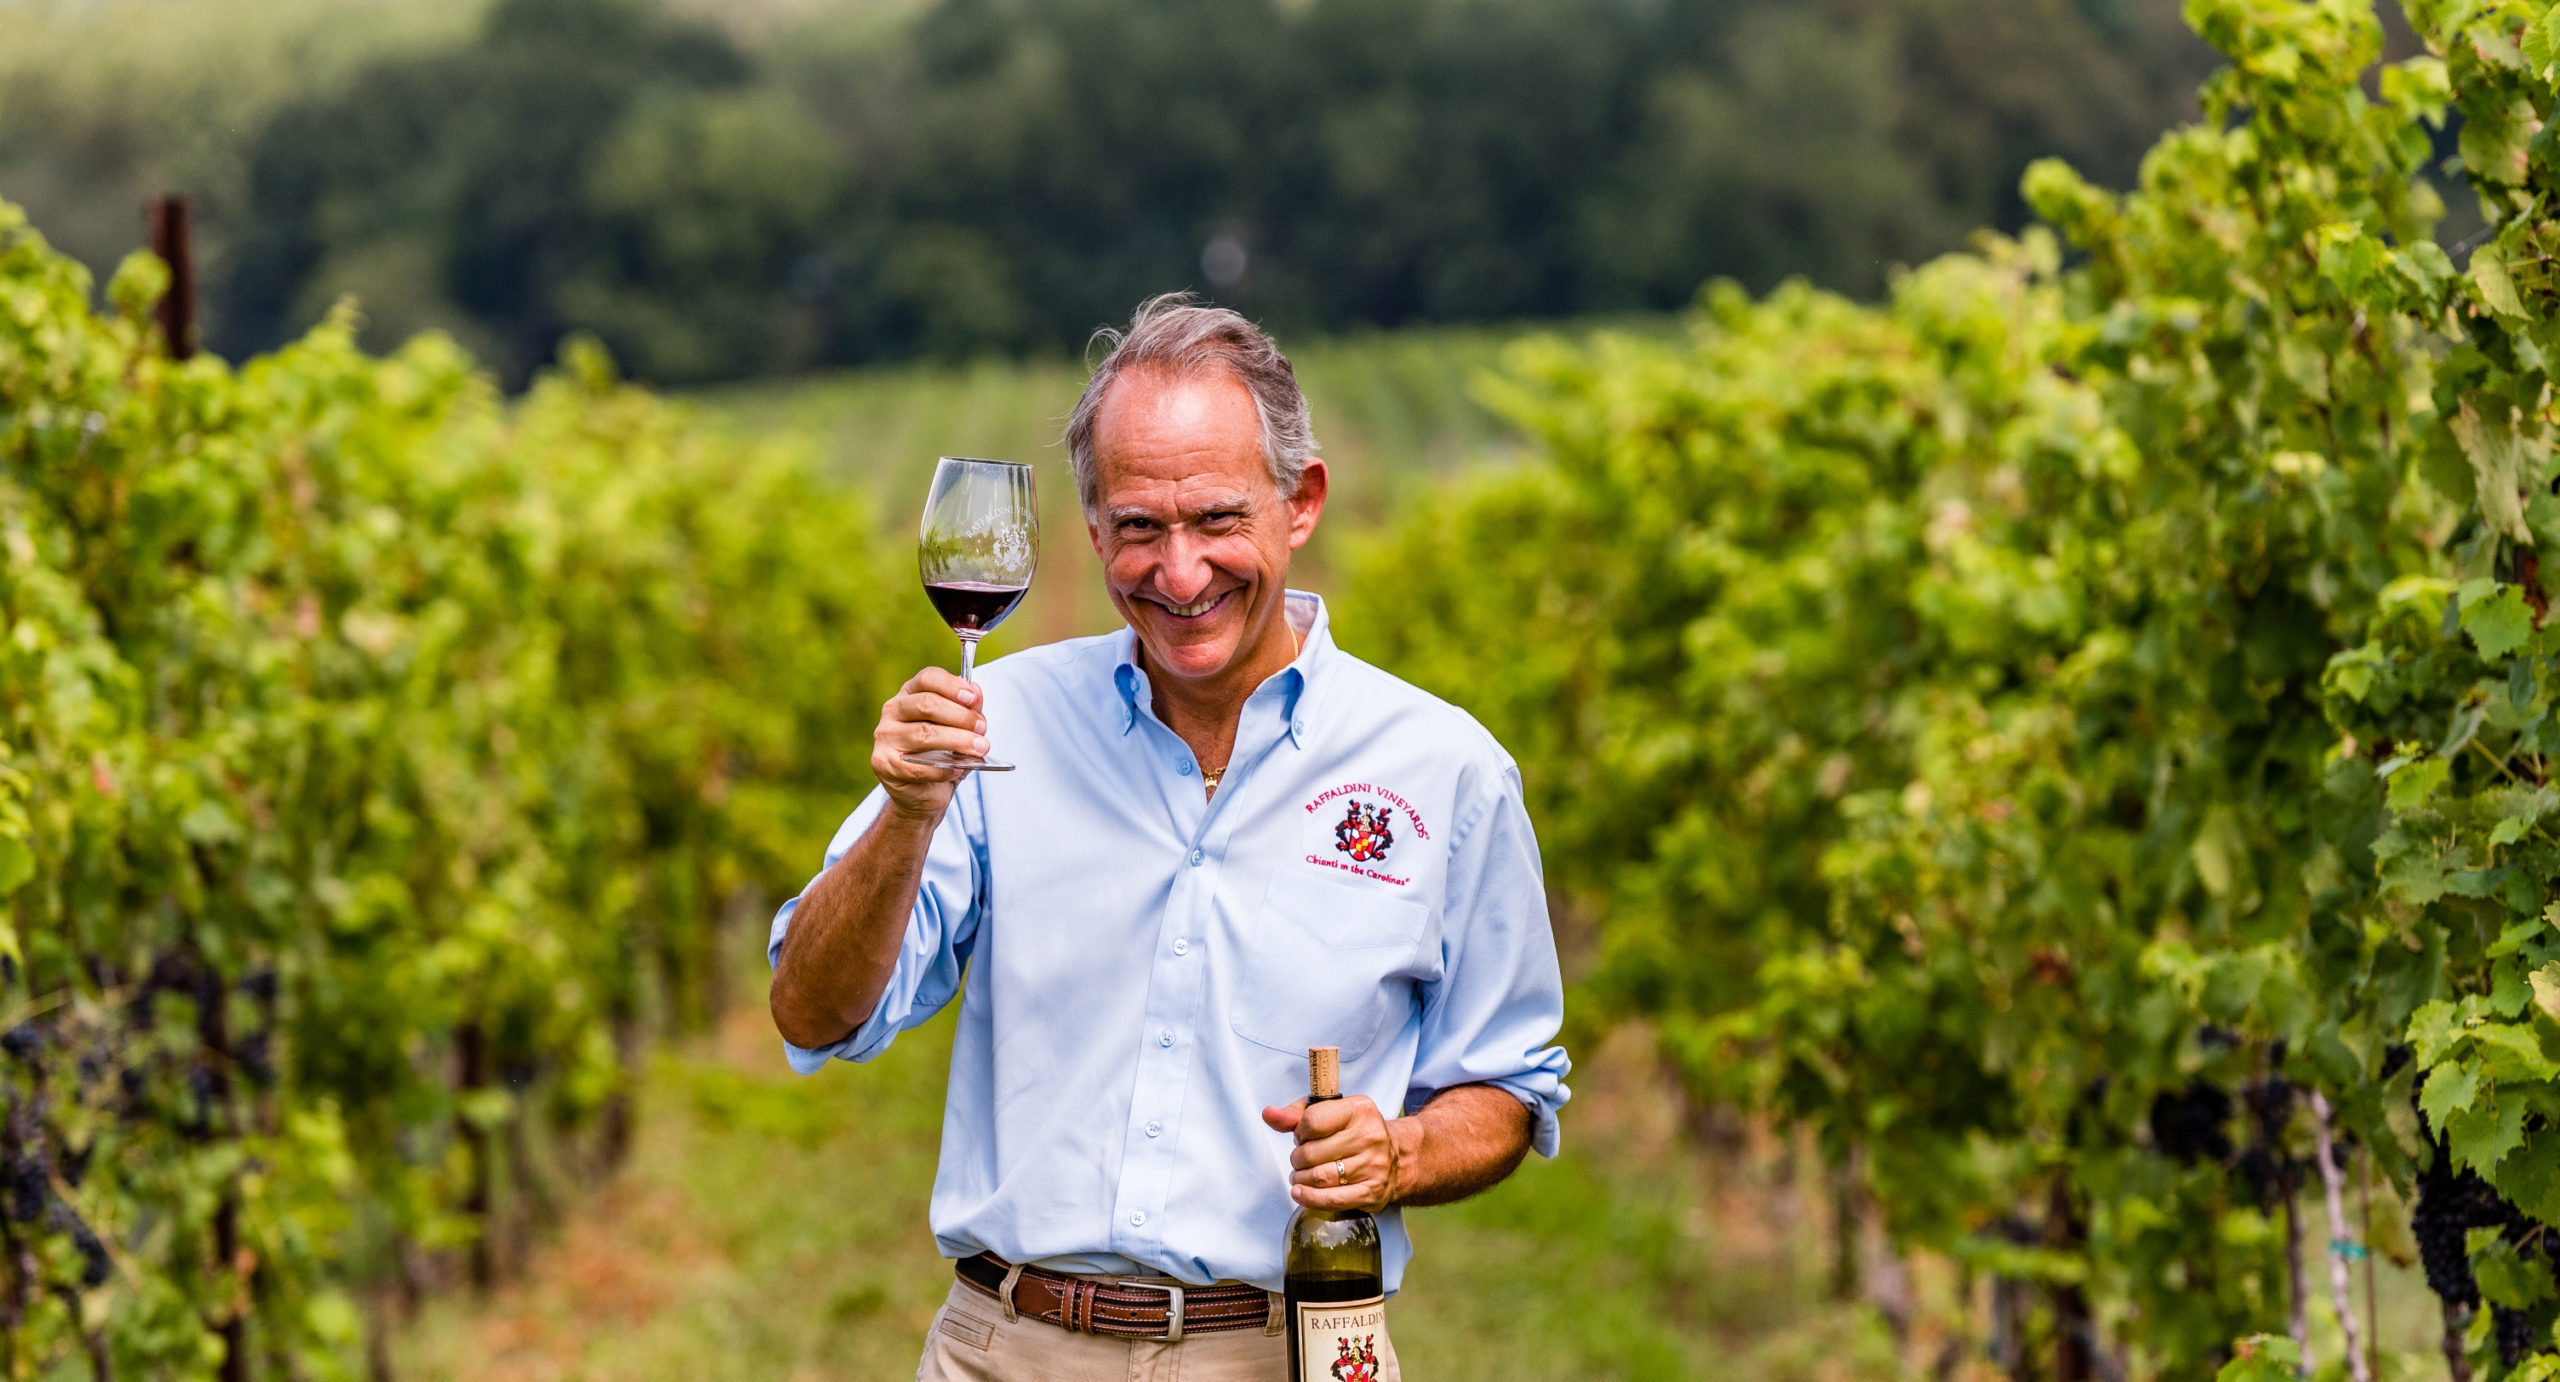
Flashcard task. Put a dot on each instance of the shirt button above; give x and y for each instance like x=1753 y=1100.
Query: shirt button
x=1164 y=1038
x=1138 y=1218
x=1196 y=856
x=1183 y=767
x=1155 y=1129
x=1182 y=947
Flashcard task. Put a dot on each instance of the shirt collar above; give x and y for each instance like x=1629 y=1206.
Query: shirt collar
x=1305 y=612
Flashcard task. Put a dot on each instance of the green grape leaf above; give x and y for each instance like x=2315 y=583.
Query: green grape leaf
x=2413 y=784
x=2426 y=266
x=2421 y=88
x=2513 y=1051
x=2546 y=994
x=2450 y=1089
x=2506 y=1277
x=2501 y=623
x=2263 y=1358
x=2417 y=877
x=2349 y=258
x=2433 y=1029
x=2491 y=274
x=2492 y=142
x=2541 y=45
x=17 y=864
x=2482 y=1135
x=2513 y=938
x=2531 y=1179
x=2540 y=1367
x=2502 y=462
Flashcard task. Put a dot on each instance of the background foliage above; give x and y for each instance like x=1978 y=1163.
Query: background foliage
x=378 y=762
x=833 y=183
x=2047 y=730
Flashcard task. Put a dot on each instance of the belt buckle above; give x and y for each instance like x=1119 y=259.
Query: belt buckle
x=1173 y=1308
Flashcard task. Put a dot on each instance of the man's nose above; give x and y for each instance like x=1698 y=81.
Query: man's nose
x=1186 y=570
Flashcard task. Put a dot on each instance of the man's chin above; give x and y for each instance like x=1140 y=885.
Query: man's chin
x=1190 y=656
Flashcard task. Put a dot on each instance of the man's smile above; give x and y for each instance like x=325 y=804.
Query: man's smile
x=1196 y=608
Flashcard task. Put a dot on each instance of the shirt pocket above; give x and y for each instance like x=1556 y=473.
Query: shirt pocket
x=1325 y=964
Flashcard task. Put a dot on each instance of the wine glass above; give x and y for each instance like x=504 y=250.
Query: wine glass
x=976 y=550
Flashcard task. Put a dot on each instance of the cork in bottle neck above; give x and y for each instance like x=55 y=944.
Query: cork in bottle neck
x=1324 y=1072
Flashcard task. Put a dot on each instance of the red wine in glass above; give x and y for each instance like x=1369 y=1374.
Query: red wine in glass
x=973 y=606
x=976 y=549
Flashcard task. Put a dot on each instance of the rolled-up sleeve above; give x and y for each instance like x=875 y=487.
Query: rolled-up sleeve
x=941 y=927
x=1493 y=1015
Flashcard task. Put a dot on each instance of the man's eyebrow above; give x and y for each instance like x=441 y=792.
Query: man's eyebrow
x=1121 y=513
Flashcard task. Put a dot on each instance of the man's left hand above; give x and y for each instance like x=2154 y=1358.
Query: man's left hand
x=1348 y=1155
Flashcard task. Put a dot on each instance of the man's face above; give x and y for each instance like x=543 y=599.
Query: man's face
x=1194 y=536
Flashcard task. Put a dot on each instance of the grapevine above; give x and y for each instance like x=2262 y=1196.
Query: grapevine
x=1975 y=724
x=376 y=758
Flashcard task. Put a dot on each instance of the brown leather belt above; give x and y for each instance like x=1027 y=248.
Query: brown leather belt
x=1120 y=1309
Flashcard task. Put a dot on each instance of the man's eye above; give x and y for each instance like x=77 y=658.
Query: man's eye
x=1224 y=518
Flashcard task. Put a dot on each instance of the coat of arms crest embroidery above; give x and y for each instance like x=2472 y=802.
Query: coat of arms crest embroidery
x=1364 y=833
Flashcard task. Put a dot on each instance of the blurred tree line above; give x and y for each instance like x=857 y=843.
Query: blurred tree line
x=866 y=179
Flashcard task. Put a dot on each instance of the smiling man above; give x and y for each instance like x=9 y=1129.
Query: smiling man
x=1228 y=840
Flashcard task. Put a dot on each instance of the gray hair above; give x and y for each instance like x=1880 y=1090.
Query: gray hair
x=1174 y=333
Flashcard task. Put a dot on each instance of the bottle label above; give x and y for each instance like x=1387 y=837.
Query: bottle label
x=1342 y=1341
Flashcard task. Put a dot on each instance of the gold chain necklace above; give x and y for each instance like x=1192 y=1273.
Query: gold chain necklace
x=1209 y=779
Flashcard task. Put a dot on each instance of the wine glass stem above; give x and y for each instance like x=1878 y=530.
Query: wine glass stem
x=968 y=657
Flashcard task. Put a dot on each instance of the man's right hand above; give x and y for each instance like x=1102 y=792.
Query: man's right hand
x=934 y=710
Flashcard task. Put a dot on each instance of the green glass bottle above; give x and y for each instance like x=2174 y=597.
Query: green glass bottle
x=1335 y=1288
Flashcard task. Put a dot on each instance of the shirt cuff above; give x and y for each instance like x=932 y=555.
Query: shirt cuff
x=1542 y=1099
x=1539 y=1091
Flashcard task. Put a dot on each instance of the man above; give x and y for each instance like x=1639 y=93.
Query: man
x=1227 y=841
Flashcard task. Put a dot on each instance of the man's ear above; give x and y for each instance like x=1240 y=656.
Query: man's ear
x=1307 y=505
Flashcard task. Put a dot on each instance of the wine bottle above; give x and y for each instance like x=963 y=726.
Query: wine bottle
x=1335 y=1287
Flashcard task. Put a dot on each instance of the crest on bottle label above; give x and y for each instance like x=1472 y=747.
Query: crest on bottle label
x=1342 y=1342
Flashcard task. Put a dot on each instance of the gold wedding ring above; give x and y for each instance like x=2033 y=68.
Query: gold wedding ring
x=1339 y=1176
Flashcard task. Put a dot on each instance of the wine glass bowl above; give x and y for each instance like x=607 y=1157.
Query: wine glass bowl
x=976 y=550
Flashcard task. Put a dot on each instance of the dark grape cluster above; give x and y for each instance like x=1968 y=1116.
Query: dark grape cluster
x=23 y=1041
x=2449 y=1206
x=2516 y=1334
x=2263 y=1166
x=2193 y=1124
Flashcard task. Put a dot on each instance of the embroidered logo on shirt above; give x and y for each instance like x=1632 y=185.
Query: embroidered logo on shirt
x=1366 y=830
x=1364 y=833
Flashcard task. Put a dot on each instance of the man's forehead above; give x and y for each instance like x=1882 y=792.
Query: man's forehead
x=1167 y=442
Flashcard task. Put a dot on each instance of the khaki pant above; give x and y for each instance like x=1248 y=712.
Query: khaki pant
x=971 y=1341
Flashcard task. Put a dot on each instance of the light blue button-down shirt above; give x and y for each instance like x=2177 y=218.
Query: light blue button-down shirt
x=1140 y=970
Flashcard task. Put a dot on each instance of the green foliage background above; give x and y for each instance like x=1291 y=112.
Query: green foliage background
x=756 y=187
x=1974 y=716
x=378 y=757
